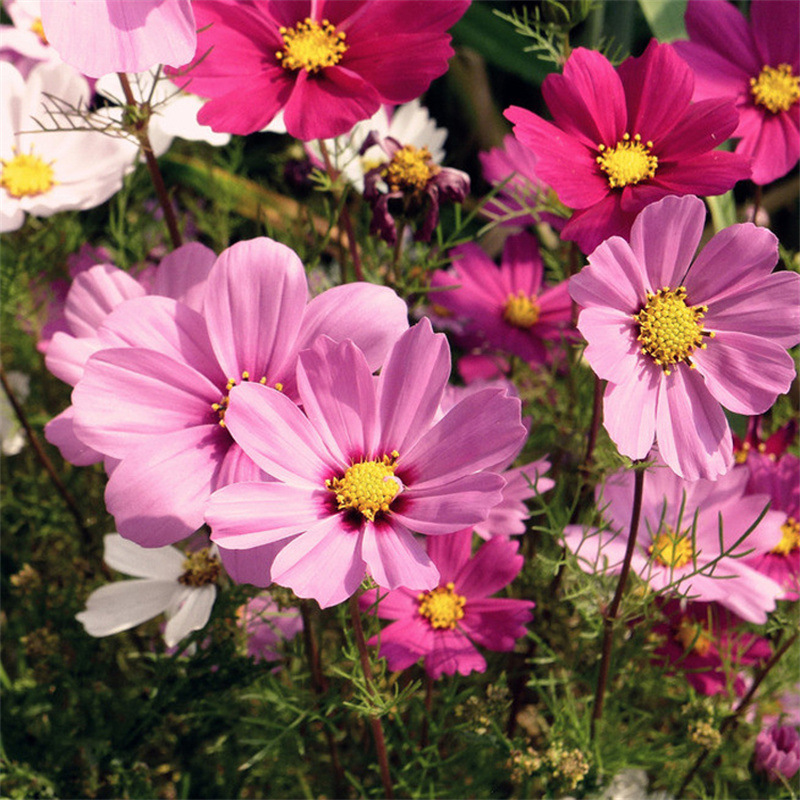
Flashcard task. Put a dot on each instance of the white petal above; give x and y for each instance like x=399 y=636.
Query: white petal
x=123 y=605
x=192 y=614
x=123 y=555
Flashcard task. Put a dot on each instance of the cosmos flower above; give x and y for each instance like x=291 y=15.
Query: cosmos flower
x=688 y=542
x=180 y=585
x=23 y=43
x=507 y=308
x=623 y=138
x=444 y=624
x=365 y=467
x=101 y=36
x=677 y=338
x=758 y=64
x=326 y=64
x=268 y=626
x=44 y=172
x=777 y=752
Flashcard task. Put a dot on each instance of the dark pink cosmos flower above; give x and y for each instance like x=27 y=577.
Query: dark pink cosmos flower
x=777 y=752
x=325 y=64
x=507 y=308
x=773 y=446
x=443 y=625
x=758 y=65
x=364 y=468
x=705 y=642
x=678 y=337
x=621 y=139
x=156 y=394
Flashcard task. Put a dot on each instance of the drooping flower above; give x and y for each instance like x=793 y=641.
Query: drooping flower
x=180 y=585
x=156 y=395
x=408 y=185
x=326 y=64
x=688 y=542
x=678 y=339
x=507 y=308
x=777 y=752
x=444 y=624
x=42 y=173
x=623 y=138
x=101 y=36
x=365 y=468
x=758 y=64
x=705 y=642
x=267 y=626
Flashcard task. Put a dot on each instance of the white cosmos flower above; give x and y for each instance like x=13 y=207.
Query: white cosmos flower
x=410 y=124
x=44 y=172
x=165 y=581
x=25 y=37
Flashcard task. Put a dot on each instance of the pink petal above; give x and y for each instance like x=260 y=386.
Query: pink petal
x=589 y=227
x=182 y=274
x=238 y=467
x=67 y=356
x=629 y=411
x=496 y=623
x=404 y=642
x=251 y=566
x=395 y=604
x=708 y=174
x=614 y=277
x=450 y=553
x=701 y=128
x=775 y=32
x=60 y=432
x=774 y=147
x=613 y=352
x=395 y=558
x=495 y=565
x=453 y=652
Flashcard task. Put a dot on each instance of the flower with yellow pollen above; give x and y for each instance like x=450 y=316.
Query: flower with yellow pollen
x=26 y=175
x=311 y=46
x=222 y=406
x=629 y=162
x=693 y=636
x=367 y=486
x=200 y=568
x=38 y=29
x=410 y=169
x=790 y=537
x=521 y=310
x=442 y=607
x=671 y=549
x=776 y=88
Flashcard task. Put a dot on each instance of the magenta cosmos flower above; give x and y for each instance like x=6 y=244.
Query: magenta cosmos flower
x=777 y=752
x=364 y=467
x=156 y=395
x=621 y=139
x=507 y=308
x=443 y=625
x=326 y=64
x=758 y=64
x=678 y=544
x=101 y=36
x=678 y=339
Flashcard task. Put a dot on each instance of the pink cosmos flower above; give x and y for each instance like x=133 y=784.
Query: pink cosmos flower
x=508 y=309
x=267 y=627
x=326 y=64
x=702 y=641
x=443 y=625
x=777 y=752
x=773 y=446
x=758 y=64
x=623 y=138
x=364 y=467
x=683 y=526
x=156 y=395
x=678 y=339
x=101 y=36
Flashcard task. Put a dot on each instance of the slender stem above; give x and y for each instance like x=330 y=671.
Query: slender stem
x=613 y=609
x=733 y=720
x=597 y=412
x=152 y=166
x=377 y=728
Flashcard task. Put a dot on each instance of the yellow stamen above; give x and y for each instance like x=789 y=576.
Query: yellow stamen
x=38 y=29
x=790 y=539
x=410 y=169
x=26 y=175
x=521 y=310
x=222 y=406
x=311 y=46
x=442 y=607
x=367 y=486
x=693 y=635
x=671 y=550
x=628 y=162
x=200 y=568
x=775 y=88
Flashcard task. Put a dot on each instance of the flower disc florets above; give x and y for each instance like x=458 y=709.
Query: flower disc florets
x=26 y=175
x=410 y=169
x=775 y=88
x=367 y=486
x=693 y=636
x=442 y=607
x=790 y=539
x=671 y=549
x=521 y=310
x=311 y=46
x=629 y=162
x=200 y=568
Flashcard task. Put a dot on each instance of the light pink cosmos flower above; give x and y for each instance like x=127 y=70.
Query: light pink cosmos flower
x=777 y=752
x=678 y=339
x=623 y=138
x=688 y=540
x=268 y=626
x=758 y=64
x=326 y=64
x=23 y=43
x=507 y=308
x=156 y=395
x=364 y=467
x=443 y=625
x=101 y=36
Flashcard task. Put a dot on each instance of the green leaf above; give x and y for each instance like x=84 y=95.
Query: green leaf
x=723 y=211
x=665 y=18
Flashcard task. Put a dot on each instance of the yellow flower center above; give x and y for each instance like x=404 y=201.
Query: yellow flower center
x=367 y=486
x=669 y=329
x=521 y=310
x=38 y=29
x=692 y=635
x=671 y=549
x=628 y=162
x=26 y=175
x=200 y=568
x=790 y=540
x=410 y=169
x=311 y=46
x=775 y=88
x=222 y=406
x=442 y=607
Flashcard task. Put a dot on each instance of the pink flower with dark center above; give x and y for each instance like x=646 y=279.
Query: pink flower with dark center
x=365 y=467
x=701 y=640
x=444 y=624
x=757 y=64
x=507 y=308
x=691 y=541
x=677 y=338
x=156 y=395
x=777 y=752
x=325 y=64
x=623 y=138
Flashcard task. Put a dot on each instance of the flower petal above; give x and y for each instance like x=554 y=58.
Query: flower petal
x=192 y=615
x=182 y=274
x=395 y=558
x=495 y=565
x=254 y=565
x=629 y=410
x=161 y=563
x=123 y=605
